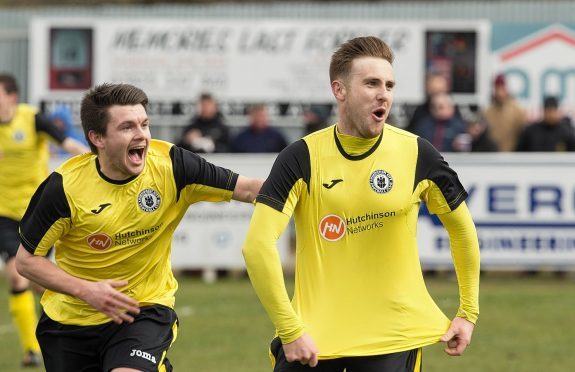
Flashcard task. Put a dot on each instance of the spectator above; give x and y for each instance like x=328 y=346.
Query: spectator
x=259 y=136
x=207 y=131
x=505 y=117
x=316 y=117
x=479 y=134
x=553 y=133
x=442 y=126
x=435 y=83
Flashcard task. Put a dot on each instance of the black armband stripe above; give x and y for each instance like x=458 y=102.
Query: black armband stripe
x=48 y=205
x=432 y=166
x=190 y=168
x=292 y=164
x=46 y=125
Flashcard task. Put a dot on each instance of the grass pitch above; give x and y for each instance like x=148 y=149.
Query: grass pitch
x=526 y=324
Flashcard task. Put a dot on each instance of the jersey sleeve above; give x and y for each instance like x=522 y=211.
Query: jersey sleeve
x=437 y=184
x=47 y=217
x=45 y=125
x=289 y=176
x=265 y=271
x=465 y=253
x=199 y=180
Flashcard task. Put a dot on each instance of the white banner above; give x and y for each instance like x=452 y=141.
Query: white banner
x=270 y=60
x=251 y=60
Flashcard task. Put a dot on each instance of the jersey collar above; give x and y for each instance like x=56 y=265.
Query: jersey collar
x=107 y=179
x=355 y=157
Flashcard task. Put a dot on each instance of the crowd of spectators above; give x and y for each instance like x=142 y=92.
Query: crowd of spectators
x=208 y=131
x=500 y=126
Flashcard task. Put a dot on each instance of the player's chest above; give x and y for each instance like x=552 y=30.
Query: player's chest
x=16 y=137
x=114 y=209
x=369 y=183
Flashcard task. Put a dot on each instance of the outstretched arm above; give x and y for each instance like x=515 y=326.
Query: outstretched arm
x=465 y=253
x=74 y=147
x=247 y=189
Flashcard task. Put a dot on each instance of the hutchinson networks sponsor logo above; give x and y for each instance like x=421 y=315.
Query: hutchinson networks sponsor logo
x=149 y=200
x=381 y=181
x=332 y=227
x=135 y=237
x=99 y=241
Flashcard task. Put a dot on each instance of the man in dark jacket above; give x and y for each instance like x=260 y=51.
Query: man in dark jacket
x=207 y=131
x=553 y=133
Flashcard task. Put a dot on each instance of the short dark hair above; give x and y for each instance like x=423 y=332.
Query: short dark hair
x=364 y=46
x=9 y=83
x=94 y=111
x=550 y=102
x=255 y=107
x=205 y=96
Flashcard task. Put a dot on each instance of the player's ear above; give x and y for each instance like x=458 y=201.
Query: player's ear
x=338 y=90
x=96 y=139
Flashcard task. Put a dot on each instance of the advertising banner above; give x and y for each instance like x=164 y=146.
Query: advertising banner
x=523 y=206
x=258 y=60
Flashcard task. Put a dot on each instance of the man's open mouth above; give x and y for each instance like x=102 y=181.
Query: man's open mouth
x=379 y=113
x=136 y=154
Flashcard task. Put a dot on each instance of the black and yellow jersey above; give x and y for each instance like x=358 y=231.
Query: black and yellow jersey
x=105 y=229
x=24 y=155
x=359 y=288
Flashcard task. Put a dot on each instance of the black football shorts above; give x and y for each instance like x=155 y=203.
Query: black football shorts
x=141 y=345
x=9 y=238
x=405 y=361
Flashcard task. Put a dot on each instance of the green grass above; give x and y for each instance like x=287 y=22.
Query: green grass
x=526 y=324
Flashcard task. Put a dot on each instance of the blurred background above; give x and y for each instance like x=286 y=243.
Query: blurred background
x=499 y=74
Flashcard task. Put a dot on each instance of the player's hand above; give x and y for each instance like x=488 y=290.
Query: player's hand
x=458 y=336
x=303 y=350
x=107 y=299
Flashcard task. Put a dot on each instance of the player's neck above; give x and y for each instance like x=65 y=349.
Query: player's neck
x=354 y=145
x=7 y=114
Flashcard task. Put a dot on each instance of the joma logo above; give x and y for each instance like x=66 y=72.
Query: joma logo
x=143 y=354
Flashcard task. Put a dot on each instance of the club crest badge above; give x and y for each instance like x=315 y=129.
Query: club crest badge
x=19 y=136
x=149 y=200
x=381 y=181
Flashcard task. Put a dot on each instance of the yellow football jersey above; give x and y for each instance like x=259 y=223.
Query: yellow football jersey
x=24 y=157
x=359 y=288
x=105 y=229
